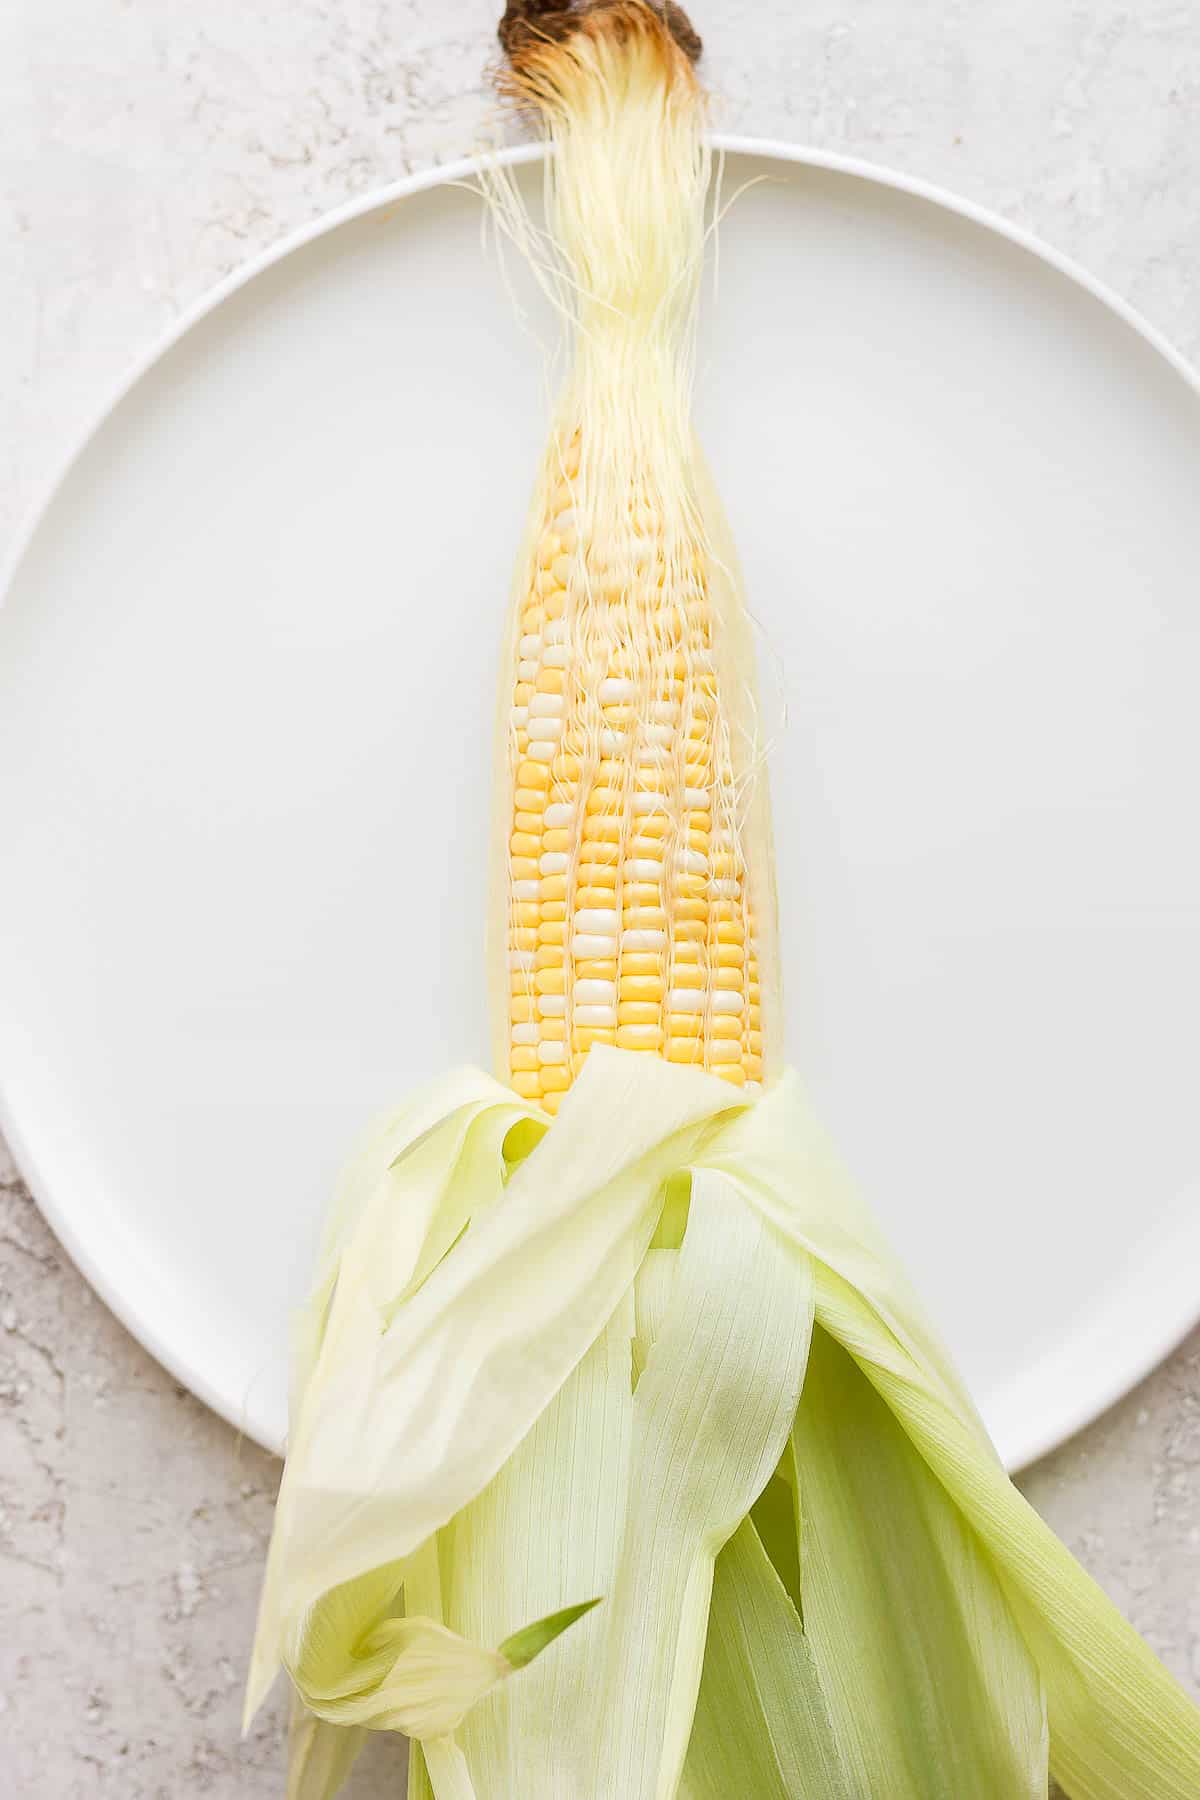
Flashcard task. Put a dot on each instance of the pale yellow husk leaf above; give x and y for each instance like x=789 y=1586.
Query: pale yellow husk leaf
x=568 y=1405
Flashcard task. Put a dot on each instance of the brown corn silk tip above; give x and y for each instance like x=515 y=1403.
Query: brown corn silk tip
x=530 y=25
x=634 y=880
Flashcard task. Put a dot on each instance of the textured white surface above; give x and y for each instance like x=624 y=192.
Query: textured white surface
x=148 y=149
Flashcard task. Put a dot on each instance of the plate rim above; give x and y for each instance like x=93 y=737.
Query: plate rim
x=1154 y=1346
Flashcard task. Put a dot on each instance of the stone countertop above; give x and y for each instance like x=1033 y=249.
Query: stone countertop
x=148 y=149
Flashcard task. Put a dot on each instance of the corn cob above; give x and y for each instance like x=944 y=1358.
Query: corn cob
x=628 y=742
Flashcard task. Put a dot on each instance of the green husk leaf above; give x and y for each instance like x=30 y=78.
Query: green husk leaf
x=521 y=1648
x=418 y=1394
x=419 y=1785
x=545 y=1530
x=762 y=1724
x=320 y=1755
x=1121 y=1728
x=712 y=1412
x=933 y=1690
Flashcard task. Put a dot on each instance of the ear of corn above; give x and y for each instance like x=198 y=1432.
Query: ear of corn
x=634 y=873
x=545 y=1362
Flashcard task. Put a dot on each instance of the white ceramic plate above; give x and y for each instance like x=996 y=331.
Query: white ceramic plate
x=246 y=682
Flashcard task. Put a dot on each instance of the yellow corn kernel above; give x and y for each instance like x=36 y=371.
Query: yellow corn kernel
x=552 y=931
x=552 y=887
x=522 y=1057
x=533 y=775
x=529 y=825
x=550 y=981
x=688 y=976
x=731 y=1072
x=556 y=1078
x=584 y=1036
x=522 y=1009
x=527 y=1083
x=641 y=962
x=637 y=1012
x=604 y=969
x=604 y=800
x=639 y=1037
x=685 y=1025
x=725 y=1025
x=641 y=918
x=641 y=987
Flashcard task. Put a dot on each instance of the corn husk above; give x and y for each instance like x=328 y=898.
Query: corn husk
x=665 y=1341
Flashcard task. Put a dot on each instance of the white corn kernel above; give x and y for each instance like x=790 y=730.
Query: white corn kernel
x=557 y=816
x=640 y=868
x=615 y=689
x=520 y=959
x=695 y=799
x=613 y=742
x=552 y=1052
x=526 y=670
x=520 y=717
x=595 y=1015
x=525 y=1034
x=643 y=940
x=648 y=803
x=545 y=706
x=529 y=645
x=588 y=948
x=552 y=1006
x=691 y=862
x=554 y=631
x=594 y=993
x=723 y=889
x=598 y=919
x=659 y=735
x=685 y=1000
x=542 y=751
x=526 y=890
x=725 y=1050
x=556 y=656
x=553 y=862
x=545 y=730
x=725 y=1001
